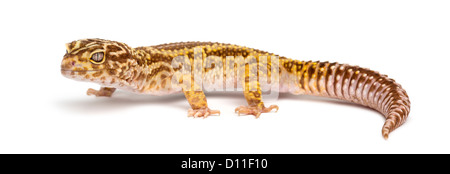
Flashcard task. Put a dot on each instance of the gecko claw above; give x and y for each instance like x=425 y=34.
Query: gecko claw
x=271 y=107
x=203 y=112
x=255 y=110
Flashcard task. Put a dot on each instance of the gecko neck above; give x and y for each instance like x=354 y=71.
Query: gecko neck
x=149 y=72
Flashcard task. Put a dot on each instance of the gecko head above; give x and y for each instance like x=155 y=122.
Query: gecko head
x=96 y=60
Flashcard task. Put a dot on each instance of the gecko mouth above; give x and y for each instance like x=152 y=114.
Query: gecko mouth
x=73 y=73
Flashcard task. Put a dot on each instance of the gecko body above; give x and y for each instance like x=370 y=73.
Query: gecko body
x=187 y=67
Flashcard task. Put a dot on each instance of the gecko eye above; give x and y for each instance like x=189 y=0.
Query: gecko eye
x=97 y=57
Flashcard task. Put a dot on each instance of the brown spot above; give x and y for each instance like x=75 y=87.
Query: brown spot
x=95 y=66
x=159 y=69
x=114 y=66
x=141 y=77
x=112 y=72
x=97 y=74
x=152 y=84
x=124 y=68
x=122 y=58
x=81 y=72
x=257 y=94
x=127 y=48
x=113 y=48
x=163 y=83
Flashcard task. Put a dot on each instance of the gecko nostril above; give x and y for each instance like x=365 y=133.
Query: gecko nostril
x=73 y=63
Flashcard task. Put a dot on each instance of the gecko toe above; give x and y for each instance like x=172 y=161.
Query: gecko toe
x=91 y=91
x=255 y=110
x=270 y=108
x=202 y=112
x=103 y=92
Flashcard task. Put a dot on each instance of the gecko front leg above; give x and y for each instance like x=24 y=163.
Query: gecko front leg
x=103 y=92
x=199 y=106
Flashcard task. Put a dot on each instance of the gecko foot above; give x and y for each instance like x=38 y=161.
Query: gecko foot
x=203 y=112
x=103 y=92
x=255 y=110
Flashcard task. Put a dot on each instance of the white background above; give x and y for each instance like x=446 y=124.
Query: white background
x=43 y=112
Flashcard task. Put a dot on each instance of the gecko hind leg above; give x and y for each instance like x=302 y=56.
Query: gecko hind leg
x=103 y=92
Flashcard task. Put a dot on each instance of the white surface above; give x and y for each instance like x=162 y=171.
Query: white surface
x=42 y=112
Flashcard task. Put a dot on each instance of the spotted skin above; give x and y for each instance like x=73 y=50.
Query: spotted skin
x=154 y=69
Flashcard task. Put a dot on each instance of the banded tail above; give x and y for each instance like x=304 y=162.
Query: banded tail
x=354 y=84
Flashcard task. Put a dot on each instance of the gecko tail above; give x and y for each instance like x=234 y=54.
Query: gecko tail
x=354 y=84
x=397 y=109
x=387 y=128
x=398 y=113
